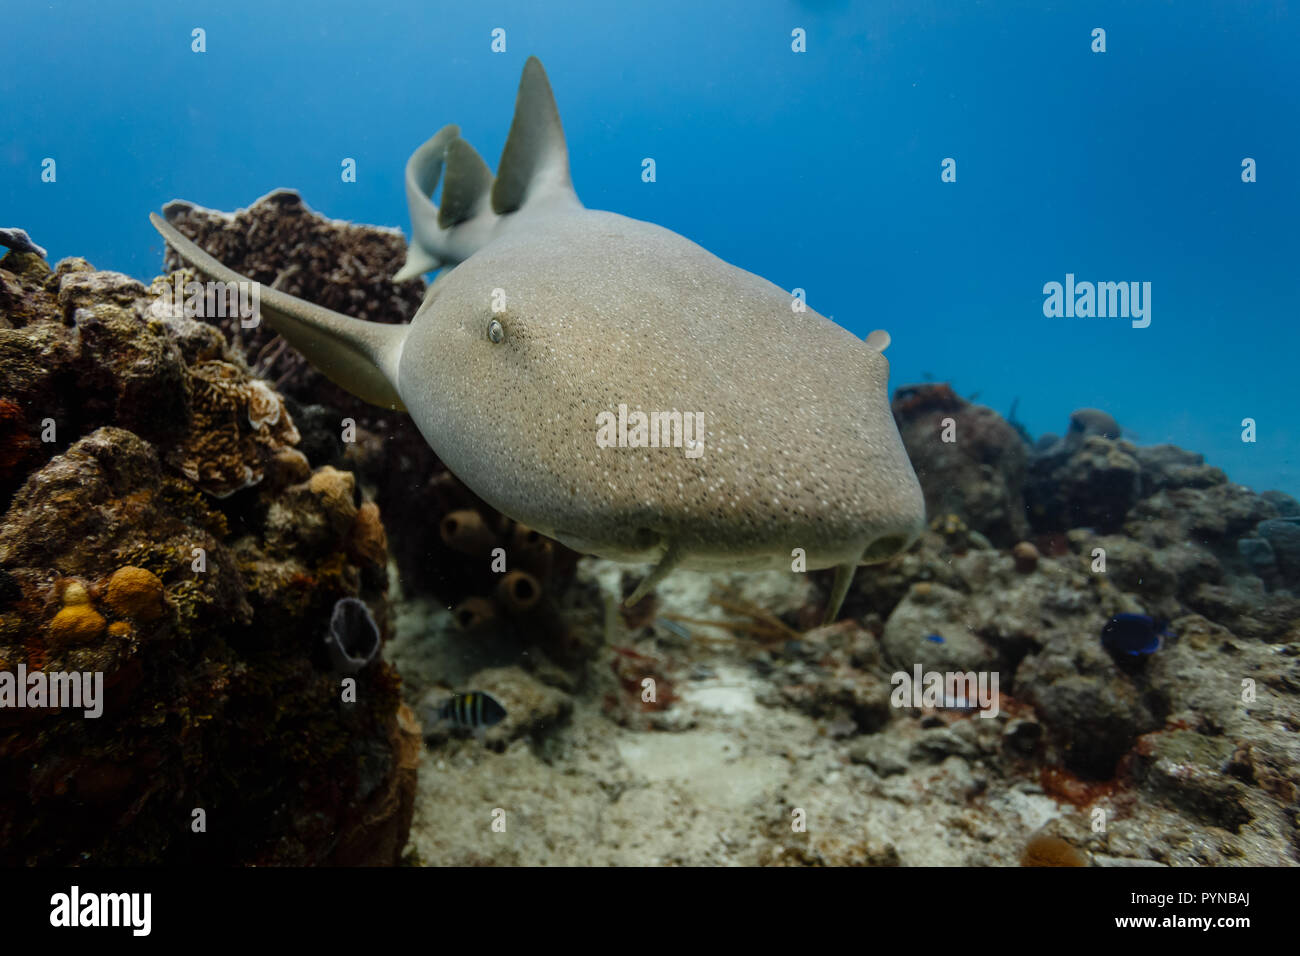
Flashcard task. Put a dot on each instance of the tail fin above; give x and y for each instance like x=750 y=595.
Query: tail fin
x=356 y=355
x=447 y=235
x=534 y=168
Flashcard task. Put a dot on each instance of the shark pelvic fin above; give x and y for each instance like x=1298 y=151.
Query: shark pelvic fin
x=359 y=356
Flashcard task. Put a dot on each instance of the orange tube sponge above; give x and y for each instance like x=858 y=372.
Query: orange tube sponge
x=519 y=592
x=466 y=532
x=474 y=614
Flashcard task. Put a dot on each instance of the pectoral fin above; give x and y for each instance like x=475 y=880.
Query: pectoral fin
x=359 y=356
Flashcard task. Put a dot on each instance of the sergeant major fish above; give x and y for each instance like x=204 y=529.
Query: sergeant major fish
x=475 y=711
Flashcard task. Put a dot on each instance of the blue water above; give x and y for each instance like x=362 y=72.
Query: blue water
x=818 y=170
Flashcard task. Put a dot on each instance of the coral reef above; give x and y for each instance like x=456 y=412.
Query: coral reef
x=161 y=529
x=1165 y=534
x=280 y=242
x=514 y=583
x=192 y=518
x=19 y=241
x=973 y=468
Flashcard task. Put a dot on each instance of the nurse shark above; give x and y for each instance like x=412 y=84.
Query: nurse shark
x=550 y=321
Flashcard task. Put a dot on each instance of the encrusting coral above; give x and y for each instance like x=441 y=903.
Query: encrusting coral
x=159 y=527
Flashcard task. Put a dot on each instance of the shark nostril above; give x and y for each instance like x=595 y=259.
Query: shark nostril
x=882 y=549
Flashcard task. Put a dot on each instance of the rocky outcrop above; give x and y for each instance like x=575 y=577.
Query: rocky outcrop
x=161 y=528
x=970 y=462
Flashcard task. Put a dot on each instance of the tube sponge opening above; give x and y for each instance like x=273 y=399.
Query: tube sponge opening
x=353 y=637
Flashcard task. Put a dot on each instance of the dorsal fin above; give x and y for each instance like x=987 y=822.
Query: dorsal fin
x=424 y=169
x=467 y=182
x=535 y=161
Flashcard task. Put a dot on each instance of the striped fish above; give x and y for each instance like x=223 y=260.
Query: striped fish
x=672 y=627
x=474 y=710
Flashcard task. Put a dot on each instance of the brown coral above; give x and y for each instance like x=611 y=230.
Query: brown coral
x=334 y=491
x=970 y=462
x=240 y=426
x=465 y=531
x=129 y=390
x=16 y=446
x=1047 y=850
x=474 y=614
x=367 y=541
x=519 y=592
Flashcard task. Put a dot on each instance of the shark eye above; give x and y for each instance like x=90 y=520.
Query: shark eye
x=496 y=332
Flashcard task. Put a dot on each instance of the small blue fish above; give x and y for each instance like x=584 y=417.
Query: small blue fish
x=934 y=638
x=1134 y=634
x=672 y=627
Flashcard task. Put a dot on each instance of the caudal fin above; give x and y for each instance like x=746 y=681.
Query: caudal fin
x=534 y=169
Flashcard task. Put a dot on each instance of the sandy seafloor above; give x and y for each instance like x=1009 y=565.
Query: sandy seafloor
x=718 y=778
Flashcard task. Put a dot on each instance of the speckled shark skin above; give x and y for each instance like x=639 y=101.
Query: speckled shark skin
x=548 y=314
